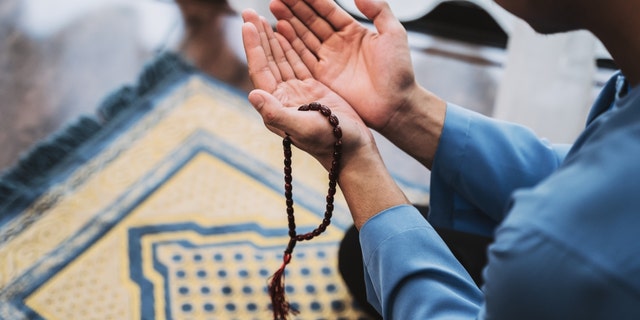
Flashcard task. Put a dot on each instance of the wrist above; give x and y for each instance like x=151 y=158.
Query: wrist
x=417 y=124
x=367 y=185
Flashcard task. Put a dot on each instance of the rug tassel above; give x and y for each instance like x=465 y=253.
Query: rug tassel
x=281 y=307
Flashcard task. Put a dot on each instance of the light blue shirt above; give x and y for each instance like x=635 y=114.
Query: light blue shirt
x=566 y=222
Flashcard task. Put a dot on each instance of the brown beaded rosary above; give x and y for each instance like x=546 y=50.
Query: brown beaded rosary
x=281 y=308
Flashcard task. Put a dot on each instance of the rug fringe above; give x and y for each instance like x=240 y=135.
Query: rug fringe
x=38 y=164
x=152 y=76
x=45 y=155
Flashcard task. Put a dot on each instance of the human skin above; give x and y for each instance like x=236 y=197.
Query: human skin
x=372 y=69
x=284 y=83
x=371 y=73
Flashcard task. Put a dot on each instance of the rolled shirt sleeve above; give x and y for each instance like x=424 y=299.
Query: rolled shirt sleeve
x=479 y=163
x=565 y=250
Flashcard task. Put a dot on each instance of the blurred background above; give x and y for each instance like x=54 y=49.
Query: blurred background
x=59 y=59
x=70 y=231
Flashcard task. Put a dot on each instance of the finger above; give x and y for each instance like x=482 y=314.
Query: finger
x=308 y=58
x=380 y=13
x=330 y=11
x=252 y=17
x=278 y=118
x=259 y=71
x=284 y=13
x=309 y=17
x=269 y=108
x=279 y=57
x=301 y=71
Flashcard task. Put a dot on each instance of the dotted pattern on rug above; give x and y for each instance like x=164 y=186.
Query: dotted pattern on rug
x=230 y=282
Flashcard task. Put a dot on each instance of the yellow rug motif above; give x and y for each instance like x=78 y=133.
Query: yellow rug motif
x=180 y=215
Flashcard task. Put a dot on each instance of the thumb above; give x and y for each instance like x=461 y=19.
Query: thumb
x=272 y=111
x=380 y=13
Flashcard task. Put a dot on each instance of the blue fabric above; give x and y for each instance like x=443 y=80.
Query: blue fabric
x=406 y=264
x=480 y=161
x=567 y=223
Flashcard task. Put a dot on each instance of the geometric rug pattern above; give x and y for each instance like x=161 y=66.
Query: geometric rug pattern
x=178 y=215
x=174 y=210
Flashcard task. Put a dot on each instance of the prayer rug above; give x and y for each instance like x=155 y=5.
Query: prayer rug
x=167 y=205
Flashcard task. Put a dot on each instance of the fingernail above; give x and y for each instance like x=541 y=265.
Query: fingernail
x=256 y=99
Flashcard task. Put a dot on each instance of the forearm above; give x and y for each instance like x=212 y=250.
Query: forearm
x=367 y=185
x=417 y=125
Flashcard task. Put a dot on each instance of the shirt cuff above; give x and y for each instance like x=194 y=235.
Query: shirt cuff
x=453 y=142
x=398 y=244
x=389 y=223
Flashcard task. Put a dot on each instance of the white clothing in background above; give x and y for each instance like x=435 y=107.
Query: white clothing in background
x=548 y=82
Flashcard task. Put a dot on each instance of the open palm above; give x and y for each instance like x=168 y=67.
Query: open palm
x=283 y=83
x=371 y=70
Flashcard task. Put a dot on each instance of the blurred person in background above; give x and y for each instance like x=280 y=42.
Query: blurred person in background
x=204 y=43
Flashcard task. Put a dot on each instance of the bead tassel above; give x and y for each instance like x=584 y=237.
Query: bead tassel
x=281 y=307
